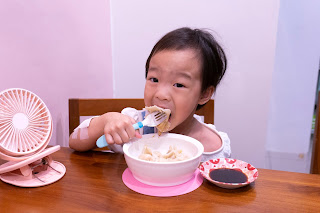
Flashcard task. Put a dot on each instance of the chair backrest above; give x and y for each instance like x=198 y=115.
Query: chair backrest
x=315 y=159
x=92 y=107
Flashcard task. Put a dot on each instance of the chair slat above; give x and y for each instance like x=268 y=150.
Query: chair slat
x=92 y=107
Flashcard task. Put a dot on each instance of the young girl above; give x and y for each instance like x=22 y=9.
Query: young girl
x=182 y=72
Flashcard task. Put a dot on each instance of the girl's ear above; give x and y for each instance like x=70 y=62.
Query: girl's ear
x=206 y=95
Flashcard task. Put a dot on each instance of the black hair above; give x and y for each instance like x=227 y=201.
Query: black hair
x=212 y=56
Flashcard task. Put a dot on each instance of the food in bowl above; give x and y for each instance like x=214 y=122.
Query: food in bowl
x=167 y=173
x=173 y=154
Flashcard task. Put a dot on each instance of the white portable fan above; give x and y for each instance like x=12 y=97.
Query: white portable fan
x=25 y=131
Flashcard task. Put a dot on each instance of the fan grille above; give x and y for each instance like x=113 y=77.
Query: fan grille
x=25 y=122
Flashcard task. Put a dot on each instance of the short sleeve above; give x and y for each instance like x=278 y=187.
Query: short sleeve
x=224 y=151
x=132 y=112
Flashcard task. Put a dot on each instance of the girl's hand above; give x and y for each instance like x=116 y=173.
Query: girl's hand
x=118 y=128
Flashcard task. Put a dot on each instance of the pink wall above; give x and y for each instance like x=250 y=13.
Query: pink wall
x=59 y=50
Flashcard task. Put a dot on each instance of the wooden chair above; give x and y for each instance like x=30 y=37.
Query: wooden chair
x=315 y=159
x=92 y=107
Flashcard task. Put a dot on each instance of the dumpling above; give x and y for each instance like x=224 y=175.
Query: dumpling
x=173 y=154
x=165 y=125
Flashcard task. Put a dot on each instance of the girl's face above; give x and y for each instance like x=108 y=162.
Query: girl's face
x=174 y=82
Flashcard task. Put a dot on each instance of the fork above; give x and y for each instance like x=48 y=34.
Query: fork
x=152 y=120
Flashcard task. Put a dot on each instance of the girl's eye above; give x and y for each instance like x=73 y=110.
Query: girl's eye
x=178 y=85
x=154 y=80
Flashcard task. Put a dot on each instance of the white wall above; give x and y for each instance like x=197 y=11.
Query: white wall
x=247 y=30
x=294 y=85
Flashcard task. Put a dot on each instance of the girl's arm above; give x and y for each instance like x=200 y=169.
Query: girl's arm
x=117 y=128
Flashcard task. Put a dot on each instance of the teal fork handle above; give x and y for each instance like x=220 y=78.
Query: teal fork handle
x=102 y=142
x=137 y=125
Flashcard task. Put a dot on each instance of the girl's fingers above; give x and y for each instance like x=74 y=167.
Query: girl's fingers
x=125 y=136
x=117 y=138
x=131 y=132
x=109 y=139
x=122 y=137
x=137 y=134
x=121 y=132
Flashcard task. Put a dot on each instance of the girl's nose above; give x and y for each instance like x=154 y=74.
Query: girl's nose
x=163 y=93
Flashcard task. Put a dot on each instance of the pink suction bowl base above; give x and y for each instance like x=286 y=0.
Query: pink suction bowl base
x=162 y=191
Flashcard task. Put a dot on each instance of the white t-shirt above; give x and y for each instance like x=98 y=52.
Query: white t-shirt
x=223 y=152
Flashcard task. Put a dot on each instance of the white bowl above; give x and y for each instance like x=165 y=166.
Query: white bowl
x=163 y=173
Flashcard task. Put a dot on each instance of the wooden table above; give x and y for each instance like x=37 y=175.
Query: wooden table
x=93 y=183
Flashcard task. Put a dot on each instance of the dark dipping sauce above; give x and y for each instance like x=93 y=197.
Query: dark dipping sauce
x=226 y=175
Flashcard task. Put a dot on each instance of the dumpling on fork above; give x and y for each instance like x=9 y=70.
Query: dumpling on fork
x=165 y=125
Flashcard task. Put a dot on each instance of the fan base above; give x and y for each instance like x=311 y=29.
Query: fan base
x=42 y=178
